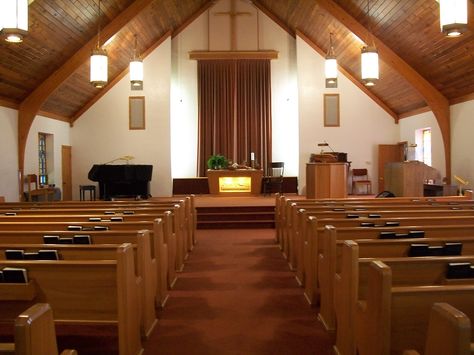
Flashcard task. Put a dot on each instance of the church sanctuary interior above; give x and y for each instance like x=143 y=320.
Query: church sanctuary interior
x=236 y=177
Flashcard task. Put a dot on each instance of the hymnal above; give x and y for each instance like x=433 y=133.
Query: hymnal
x=109 y=212
x=373 y=215
x=392 y=224
x=452 y=248
x=367 y=224
x=418 y=249
x=14 y=254
x=66 y=240
x=10 y=213
x=458 y=271
x=128 y=212
x=82 y=239
x=51 y=239
x=48 y=254
x=351 y=215
x=74 y=228
x=387 y=235
x=30 y=255
x=15 y=275
x=1 y=277
x=88 y=228
x=95 y=219
x=116 y=219
x=416 y=234
x=101 y=228
x=435 y=250
x=360 y=209
x=338 y=209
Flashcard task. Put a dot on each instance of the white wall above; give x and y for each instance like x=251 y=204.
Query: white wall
x=408 y=127
x=102 y=133
x=9 y=156
x=184 y=111
x=363 y=124
x=462 y=146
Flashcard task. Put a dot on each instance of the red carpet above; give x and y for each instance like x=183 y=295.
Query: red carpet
x=237 y=296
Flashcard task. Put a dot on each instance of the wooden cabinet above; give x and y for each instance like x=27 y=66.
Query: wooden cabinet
x=407 y=178
x=326 y=180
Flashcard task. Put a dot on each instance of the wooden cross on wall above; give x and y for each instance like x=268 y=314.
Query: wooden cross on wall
x=233 y=14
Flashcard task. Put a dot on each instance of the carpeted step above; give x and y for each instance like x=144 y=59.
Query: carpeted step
x=235 y=217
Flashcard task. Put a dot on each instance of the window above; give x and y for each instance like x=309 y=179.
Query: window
x=43 y=166
x=423 y=145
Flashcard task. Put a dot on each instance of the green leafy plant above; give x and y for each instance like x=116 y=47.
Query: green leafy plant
x=217 y=162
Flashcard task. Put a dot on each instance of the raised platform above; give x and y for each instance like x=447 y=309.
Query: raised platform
x=200 y=185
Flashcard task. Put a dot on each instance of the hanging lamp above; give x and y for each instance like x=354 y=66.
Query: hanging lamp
x=369 y=58
x=136 y=69
x=99 y=63
x=453 y=17
x=14 y=20
x=330 y=66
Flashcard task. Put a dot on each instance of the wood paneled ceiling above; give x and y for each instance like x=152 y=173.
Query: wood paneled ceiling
x=410 y=28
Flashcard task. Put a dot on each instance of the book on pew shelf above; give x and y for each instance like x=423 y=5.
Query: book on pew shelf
x=48 y=254
x=116 y=219
x=401 y=235
x=95 y=219
x=338 y=209
x=82 y=239
x=436 y=250
x=30 y=255
x=101 y=228
x=367 y=224
x=458 y=271
x=51 y=239
x=452 y=248
x=392 y=224
x=418 y=249
x=15 y=275
x=10 y=213
x=1 y=277
x=14 y=254
x=387 y=235
x=74 y=228
x=87 y=228
x=456 y=208
x=109 y=212
x=360 y=209
x=373 y=215
x=65 y=240
x=416 y=234
x=128 y=212
x=351 y=215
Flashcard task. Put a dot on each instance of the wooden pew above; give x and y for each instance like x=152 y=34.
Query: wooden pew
x=145 y=271
x=449 y=332
x=96 y=293
x=169 y=236
x=391 y=319
x=349 y=277
x=314 y=247
x=151 y=247
x=35 y=333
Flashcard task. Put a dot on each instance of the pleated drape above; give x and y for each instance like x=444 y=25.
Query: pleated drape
x=234 y=111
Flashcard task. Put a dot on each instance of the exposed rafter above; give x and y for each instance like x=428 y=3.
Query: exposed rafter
x=435 y=100
x=30 y=107
x=351 y=77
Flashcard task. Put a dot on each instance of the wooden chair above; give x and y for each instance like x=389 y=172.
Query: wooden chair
x=360 y=177
x=273 y=182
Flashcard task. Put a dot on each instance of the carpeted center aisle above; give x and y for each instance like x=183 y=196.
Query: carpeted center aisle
x=237 y=296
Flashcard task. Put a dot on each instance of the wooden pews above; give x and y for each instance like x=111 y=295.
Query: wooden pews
x=34 y=333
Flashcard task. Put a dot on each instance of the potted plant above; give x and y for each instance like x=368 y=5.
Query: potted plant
x=217 y=161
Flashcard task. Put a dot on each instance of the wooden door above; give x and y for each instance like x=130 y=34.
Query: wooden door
x=66 y=172
x=388 y=153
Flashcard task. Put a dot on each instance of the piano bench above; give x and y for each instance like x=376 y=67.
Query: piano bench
x=84 y=188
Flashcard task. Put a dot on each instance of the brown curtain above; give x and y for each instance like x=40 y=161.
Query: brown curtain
x=234 y=111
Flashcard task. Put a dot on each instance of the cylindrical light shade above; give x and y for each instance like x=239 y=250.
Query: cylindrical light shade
x=369 y=65
x=330 y=69
x=136 y=72
x=14 y=20
x=453 y=17
x=99 y=68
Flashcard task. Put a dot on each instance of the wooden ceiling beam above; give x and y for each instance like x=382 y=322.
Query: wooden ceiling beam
x=435 y=100
x=351 y=77
x=30 y=107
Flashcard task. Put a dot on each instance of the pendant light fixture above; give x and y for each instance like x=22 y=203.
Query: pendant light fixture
x=369 y=58
x=453 y=17
x=136 y=69
x=14 y=20
x=99 y=63
x=330 y=66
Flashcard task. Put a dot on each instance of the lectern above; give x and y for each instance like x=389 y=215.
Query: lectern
x=326 y=180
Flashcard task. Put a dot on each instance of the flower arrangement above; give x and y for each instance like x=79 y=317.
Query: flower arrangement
x=217 y=161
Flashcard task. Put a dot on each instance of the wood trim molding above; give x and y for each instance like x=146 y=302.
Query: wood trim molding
x=435 y=99
x=462 y=99
x=31 y=105
x=5 y=102
x=115 y=80
x=349 y=76
x=54 y=116
x=215 y=55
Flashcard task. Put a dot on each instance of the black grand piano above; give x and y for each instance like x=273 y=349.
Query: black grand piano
x=117 y=181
